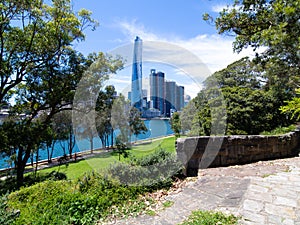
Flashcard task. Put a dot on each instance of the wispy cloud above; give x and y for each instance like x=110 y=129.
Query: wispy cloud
x=218 y=8
x=133 y=28
x=213 y=50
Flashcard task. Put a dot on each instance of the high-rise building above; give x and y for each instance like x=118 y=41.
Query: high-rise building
x=157 y=90
x=179 y=98
x=170 y=97
x=136 y=82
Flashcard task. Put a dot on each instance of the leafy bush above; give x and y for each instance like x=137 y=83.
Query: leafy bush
x=83 y=201
x=280 y=130
x=93 y=197
x=155 y=170
x=210 y=218
x=7 y=216
x=10 y=183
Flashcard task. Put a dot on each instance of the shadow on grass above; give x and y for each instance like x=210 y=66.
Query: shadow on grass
x=10 y=183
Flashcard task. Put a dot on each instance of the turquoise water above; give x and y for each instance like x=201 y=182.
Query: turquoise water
x=156 y=128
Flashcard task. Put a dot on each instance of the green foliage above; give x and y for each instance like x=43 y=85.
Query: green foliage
x=93 y=196
x=293 y=106
x=40 y=70
x=90 y=198
x=239 y=98
x=104 y=105
x=103 y=160
x=270 y=24
x=160 y=155
x=137 y=126
x=280 y=130
x=7 y=216
x=121 y=148
x=155 y=170
x=176 y=124
x=8 y=185
x=210 y=218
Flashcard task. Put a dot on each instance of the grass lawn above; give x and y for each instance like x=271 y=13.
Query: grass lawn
x=102 y=161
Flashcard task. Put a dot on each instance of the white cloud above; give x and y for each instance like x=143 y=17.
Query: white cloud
x=133 y=29
x=219 y=8
x=214 y=51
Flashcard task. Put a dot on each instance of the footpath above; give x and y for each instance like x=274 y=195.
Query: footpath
x=260 y=193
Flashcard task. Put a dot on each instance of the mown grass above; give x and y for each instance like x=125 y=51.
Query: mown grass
x=120 y=192
x=101 y=161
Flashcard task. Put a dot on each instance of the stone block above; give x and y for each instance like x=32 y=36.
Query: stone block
x=285 y=201
x=253 y=206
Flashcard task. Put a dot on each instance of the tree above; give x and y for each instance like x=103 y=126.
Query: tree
x=88 y=95
x=39 y=69
x=186 y=117
x=63 y=128
x=104 y=105
x=126 y=119
x=137 y=126
x=293 y=107
x=119 y=119
x=201 y=122
x=176 y=124
x=273 y=25
x=250 y=103
x=35 y=36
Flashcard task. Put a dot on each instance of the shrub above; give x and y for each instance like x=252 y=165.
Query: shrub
x=93 y=197
x=155 y=170
x=83 y=201
x=280 y=130
x=7 y=216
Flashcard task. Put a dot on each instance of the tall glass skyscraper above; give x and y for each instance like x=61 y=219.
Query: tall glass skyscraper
x=136 y=82
x=157 y=90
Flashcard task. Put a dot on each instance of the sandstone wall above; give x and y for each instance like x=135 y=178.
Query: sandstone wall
x=202 y=152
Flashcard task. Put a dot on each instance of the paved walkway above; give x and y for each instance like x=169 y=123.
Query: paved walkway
x=261 y=193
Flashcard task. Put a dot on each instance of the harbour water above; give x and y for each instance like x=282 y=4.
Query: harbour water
x=156 y=128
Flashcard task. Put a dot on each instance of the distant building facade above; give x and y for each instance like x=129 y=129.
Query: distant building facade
x=165 y=97
x=157 y=90
x=136 y=81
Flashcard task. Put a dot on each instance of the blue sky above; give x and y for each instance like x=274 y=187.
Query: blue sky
x=178 y=22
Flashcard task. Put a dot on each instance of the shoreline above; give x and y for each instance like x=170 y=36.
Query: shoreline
x=77 y=156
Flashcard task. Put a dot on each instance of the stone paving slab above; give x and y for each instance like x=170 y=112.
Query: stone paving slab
x=272 y=200
x=262 y=193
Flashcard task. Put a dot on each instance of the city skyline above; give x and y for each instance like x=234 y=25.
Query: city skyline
x=165 y=96
x=182 y=25
x=161 y=95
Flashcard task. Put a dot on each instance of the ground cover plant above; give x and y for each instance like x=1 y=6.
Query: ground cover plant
x=94 y=195
x=72 y=202
x=210 y=218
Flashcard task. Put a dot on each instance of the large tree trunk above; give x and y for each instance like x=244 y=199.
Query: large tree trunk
x=92 y=145
x=112 y=138
x=21 y=164
x=70 y=145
